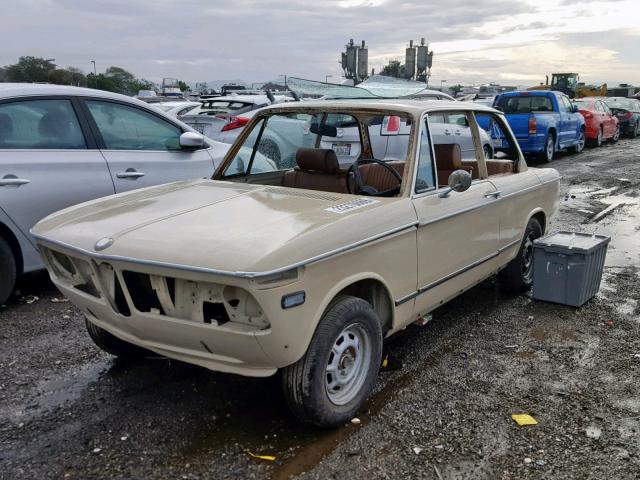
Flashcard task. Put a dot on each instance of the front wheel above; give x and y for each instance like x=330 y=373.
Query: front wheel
x=8 y=271
x=518 y=274
x=579 y=146
x=635 y=131
x=328 y=385
x=616 y=135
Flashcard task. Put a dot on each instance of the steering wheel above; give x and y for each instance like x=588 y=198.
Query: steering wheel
x=361 y=188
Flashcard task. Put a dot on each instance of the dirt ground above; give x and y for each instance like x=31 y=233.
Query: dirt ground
x=443 y=411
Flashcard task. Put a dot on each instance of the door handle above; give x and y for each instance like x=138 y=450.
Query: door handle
x=13 y=181
x=495 y=194
x=447 y=132
x=130 y=174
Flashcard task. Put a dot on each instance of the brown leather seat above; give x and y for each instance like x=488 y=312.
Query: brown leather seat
x=379 y=177
x=317 y=169
x=448 y=160
x=494 y=167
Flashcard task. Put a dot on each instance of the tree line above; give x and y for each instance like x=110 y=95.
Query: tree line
x=40 y=70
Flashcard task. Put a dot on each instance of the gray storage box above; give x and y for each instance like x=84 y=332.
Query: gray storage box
x=568 y=266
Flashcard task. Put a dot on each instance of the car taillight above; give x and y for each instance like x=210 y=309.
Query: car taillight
x=533 y=125
x=235 y=122
x=586 y=114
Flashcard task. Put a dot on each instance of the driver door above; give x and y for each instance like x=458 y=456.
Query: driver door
x=457 y=235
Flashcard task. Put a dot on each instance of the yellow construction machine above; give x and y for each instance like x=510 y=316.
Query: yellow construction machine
x=569 y=83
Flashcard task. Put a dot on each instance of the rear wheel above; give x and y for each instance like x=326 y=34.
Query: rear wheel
x=332 y=380
x=113 y=345
x=8 y=271
x=635 y=131
x=518 y=274
x=549 y=148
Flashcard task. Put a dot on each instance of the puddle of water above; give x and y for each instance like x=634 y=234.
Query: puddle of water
x=621 y=223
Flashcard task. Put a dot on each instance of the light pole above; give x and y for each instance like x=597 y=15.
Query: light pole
x=326 y=78
x=94 y=67
x=285 y=81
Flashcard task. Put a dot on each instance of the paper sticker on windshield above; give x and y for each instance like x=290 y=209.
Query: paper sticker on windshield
x=352 y=205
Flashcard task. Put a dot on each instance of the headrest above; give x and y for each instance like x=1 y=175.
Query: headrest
x=448 y=156
x=317 y=160
x=6 y=126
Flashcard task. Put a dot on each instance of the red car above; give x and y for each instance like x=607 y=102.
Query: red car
x=601 y=123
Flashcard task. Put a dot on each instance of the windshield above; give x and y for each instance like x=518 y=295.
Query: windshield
x=165 y=108
x=525 y=104
x=323 y=143
x=627 y=104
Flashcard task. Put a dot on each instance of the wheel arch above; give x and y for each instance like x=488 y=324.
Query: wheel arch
x=539 y=215
x=370 y=287
x=7 y=234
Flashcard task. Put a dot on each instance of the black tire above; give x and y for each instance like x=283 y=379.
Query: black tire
x=8 y=271
x=635 y=131
x=113 y=345
x=579 y=147
x=598 y=141
x=306 y=383
x=549 y=148
x=517 y=276
x=616 y=135
x=488 y=152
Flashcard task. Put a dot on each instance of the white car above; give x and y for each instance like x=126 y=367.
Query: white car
x=177 y=109
x=60 y=146
x=223 y=118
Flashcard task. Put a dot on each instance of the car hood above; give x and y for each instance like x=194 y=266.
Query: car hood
x=225 y=226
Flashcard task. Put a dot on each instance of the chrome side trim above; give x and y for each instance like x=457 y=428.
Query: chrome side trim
x=227 y=273
x=446 y=278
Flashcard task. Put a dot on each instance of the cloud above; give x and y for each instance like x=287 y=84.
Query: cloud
x=196 y=40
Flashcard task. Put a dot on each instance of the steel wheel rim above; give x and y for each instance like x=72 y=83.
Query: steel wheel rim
x=527 y=257
x=487 y=153
x=599 y=137
x=550 y=148
x=347 y=365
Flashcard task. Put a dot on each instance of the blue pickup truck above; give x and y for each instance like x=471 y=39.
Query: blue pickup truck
x=543 y=121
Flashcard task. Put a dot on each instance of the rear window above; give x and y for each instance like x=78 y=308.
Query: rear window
x=525 y=104
x=224 y=106
x=627 y=104
x=583 y=105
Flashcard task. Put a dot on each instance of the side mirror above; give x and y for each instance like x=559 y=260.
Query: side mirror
x=459 y=181
x=190 y=140
x=324 y=131
x=574 y=108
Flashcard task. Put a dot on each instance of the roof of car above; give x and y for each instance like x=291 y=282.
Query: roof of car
x=414 y=107
x=8 y=90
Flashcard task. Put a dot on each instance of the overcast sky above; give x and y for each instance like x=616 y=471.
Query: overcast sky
x=475 y=41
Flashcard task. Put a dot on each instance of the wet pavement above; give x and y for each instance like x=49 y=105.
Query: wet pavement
x=67 y=410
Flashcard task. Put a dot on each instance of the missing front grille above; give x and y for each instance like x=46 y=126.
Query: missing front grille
x=214 y=312
x=143 y=296
x=120 y=300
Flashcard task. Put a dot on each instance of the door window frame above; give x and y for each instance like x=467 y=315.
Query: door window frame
x=87 y=132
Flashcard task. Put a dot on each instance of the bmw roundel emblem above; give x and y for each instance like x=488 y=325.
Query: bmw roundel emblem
x=103 y=243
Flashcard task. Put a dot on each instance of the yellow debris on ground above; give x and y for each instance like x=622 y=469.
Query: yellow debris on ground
x=269 y=458
x=523 y=419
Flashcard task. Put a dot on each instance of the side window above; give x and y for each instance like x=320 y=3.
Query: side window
x=40 y=124
x=129 y=128
x=501 y=151
x=437 y=118
x=459 y=119
x=606 y=108
x=565 y=104
x=240 y=163
x=425 y=178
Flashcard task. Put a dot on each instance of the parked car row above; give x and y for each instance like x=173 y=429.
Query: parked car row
x=546 y=121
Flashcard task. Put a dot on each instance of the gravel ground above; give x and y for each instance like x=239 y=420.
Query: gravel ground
x=67 y=410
